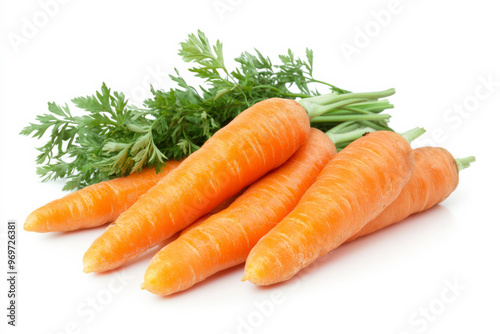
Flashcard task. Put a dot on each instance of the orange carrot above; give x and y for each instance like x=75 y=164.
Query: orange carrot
x=225 y=239
x=434 y=178
x=224 y=205
x=258 y=140
x=355 y=187
x=96 y=204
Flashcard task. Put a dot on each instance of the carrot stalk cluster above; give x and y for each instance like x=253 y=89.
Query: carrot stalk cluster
x=267 y=189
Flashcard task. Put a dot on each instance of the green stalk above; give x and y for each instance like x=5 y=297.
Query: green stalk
x=335 y=97
x=464 y=163
x=413 y=134
x=343 y=127
x=334 y=107
x=319 y=105
x=344 y=118
x=370 y=106
x=351 y=125
x=347 y=137
x=360 y=109
x=322 y=99
x=376 y=126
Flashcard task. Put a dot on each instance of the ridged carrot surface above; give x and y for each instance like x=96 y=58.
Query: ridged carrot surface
x=96 y=204
x=218 y=209
x=434 y=178
x=355 y=187
x=258 y=140
x=225 y=239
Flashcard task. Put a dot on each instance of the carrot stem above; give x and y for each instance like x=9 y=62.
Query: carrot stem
x=344 y=127
x=413 y=134
x=464 y=163
x=333 y=103
x=347 y=137
x=316 y=110
x=326 y=99
x=376 y=125
x=370 y=106
x=343 y=118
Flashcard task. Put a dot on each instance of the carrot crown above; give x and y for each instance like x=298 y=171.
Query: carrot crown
x=464 y=163
x=335 y=107
x=351 y=114
x=345 y=133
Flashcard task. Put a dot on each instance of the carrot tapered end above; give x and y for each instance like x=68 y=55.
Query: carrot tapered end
x=89 y=264
x=257 y=273
x=95 y=260
x=32 y=224
x=157 y=290
x=29 y=226
x=87 y=269
x=251 y=276
x=154 y=285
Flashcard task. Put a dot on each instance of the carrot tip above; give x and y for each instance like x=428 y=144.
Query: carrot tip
x=150 y=287
x=244 y=278
x=88 y=267
x=28 y=227
x=31 y=224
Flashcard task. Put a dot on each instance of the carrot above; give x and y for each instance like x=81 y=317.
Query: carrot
x=434 y=178
x=96 y=204
x=258 y=140
x=225 y=239
x=224 y=205
x=355 y=186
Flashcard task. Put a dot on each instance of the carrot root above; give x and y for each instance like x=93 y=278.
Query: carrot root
x=258 y=140
x=94 y=205
x=354 y=188
x=225 y=239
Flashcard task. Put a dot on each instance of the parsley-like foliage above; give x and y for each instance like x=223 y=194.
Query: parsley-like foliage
x=112 y=138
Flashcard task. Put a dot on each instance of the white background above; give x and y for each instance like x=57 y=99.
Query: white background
x=433 y=52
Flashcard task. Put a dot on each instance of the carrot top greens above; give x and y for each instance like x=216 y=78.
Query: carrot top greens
x=110 y=138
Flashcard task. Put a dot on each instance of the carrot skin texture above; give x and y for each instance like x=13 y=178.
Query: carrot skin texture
x=225 y=239
x=356 y=186
x=224 y=205
x=258 y=140
x=96 y=204
x=434 y=178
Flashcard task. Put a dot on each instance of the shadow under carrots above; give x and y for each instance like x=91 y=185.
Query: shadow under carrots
x=413 y=227
x=96 y=231
x=421 y=221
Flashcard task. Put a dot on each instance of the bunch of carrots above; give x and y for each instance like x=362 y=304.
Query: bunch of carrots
x=266 y=189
